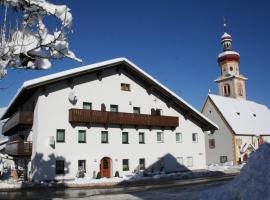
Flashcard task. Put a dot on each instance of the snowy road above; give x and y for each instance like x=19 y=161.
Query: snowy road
x=183 y=192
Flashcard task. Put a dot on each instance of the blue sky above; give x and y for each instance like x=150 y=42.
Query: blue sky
x=175 y=41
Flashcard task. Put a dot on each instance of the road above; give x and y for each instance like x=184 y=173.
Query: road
x=165 y=191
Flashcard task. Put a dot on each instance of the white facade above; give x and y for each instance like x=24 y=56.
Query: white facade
x=51 y=112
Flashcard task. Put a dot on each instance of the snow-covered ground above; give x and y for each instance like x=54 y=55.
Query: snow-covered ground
x=252 y=183
x=80 y=182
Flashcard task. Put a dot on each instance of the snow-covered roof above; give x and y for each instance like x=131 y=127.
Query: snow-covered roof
x=224 y=53
x=244 y=117
x=101 y=65
x=226 y=35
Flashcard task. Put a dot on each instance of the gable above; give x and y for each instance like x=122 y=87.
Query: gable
x=119 y=65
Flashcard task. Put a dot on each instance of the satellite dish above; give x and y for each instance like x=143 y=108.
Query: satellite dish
x=72 y=97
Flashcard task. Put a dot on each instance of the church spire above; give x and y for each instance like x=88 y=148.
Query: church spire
x=231 y=83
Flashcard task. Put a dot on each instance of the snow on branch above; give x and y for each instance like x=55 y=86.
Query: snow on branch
x=29 y=42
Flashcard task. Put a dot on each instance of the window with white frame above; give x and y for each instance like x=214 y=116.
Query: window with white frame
x=113 y=108
x=82 y=165
x=178 y=137
x=180 y=161
x=125 y=164
x=82 y=136
x=60 y=135
x=195 y=137
x=104 y=137
x=160 y=137
x=87 y=105
x=142 y=163
x=189 y=161
x=59 y=167
x=124 y=137
x=141 y=138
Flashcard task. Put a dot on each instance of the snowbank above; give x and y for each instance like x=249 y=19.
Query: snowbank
x=252 y=183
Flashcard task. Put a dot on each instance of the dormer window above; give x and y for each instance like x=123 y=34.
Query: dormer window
x=231 y=68
x=125 y=87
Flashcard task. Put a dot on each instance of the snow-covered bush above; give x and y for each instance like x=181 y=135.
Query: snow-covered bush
x=26 y=41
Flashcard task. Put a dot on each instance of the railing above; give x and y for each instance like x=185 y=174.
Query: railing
x=119 y=118
x=19 y=148
x=19 y=120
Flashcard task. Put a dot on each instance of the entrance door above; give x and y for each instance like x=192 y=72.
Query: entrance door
x=105 y=167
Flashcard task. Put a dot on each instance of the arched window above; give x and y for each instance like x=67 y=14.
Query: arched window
x=226 y=90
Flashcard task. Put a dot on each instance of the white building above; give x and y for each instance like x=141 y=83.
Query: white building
x=243 y=125
x=107 y=117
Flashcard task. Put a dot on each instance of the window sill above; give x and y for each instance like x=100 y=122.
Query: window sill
x=125 y=143
x=104 y=142
x=141 y=142
x=125 y=169
x=81 y=142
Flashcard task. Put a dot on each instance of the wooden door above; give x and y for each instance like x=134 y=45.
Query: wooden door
x=105 y=167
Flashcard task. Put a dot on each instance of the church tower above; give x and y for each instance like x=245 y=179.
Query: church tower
x=230 y=82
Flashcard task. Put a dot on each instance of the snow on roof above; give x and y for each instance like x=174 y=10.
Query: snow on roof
x=224 y=53
x=226 y=35
x=104 y=64
x=244 y=117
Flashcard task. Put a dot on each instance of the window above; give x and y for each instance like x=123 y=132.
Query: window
x=223 y=159
x=103 y=107
x=82 y=165
x=231 y=68
x=178 y=137
x=125 y=138
x=87 y=105
x=141 y=138
x=114 y=108
x=82 y=136
x=180 y=161
x=104 y=137
x=142 y=163
x=125 y=87
x=60 y=135
x=125 y=165
x=194 y=137
x=189 y=161
x=158 y=112
x=136 y=110
x=211 y=143
x=226 y=89
x=59 y=167
x=160 y=137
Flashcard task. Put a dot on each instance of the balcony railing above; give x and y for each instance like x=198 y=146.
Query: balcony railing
x=119 y=118
x=19 y=121
x=19 y=148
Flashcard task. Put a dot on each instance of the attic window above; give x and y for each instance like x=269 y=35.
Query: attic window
x=125 y=87
x=254 y=115
x=238 y=113
x=210 y=111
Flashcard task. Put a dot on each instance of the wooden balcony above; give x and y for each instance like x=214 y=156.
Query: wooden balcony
x=19 y=121
x=122 y=119
x=19 y=148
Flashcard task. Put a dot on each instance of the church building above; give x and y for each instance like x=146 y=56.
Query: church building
x=243 y=124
